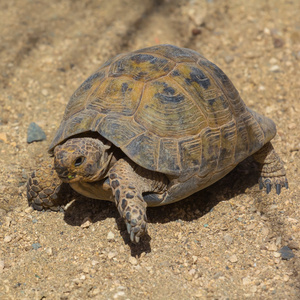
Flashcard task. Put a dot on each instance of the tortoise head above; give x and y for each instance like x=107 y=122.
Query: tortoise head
x=81 y=159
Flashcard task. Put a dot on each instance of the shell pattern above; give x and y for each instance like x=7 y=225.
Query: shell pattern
x=170 y=110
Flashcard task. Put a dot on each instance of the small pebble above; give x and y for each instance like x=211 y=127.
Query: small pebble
x=3 y=137
x=7 y=239
x=133 y=260
x=35 y=133
x=228 y=239
x=286 y=253
x=272 y=247
x=49 y=251
x=293 y=245
x=277 y=254
x=1 y=266
x=86 y=223
x=275 y=68
x=292 y=220
x=36 y=246
x=286 y=278
x=277 y=260
x=8 y=221
x=196 y=31
x=95 y=262
x=111 y=255
x=229 y=59
x=265 y=231
x=95 y=292
x=110 y=236
x=28 y=210
x=192 y=272
x=251 y=226
x=82 y=277
x=278 y=241
x=2 y=212
x=119 y=294
x=246 y=280
x=292 y=126
x=44 y=92
x=195 y=258
x=273 y=61
x=233 y=258
x=278 y=42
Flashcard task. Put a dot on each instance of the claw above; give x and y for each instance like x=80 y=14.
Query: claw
x=286 y=184
x=37 y=207
x=260 y=184
x=268 y=186
x=132 y=236
x=128 y=227
x=278 y=188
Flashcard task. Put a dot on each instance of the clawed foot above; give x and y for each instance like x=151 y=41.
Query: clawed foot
x=271 y=168
x=268 y=182
x=136 y=222
x=46 y=191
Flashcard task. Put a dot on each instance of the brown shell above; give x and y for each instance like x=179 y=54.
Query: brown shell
x=169 y=109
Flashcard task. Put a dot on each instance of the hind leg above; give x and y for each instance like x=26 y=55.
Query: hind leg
x=271 y=168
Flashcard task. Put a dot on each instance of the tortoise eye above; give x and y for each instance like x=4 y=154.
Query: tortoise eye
x=79 y=161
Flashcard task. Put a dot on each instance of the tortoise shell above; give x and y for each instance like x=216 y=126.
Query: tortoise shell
x=169 y=110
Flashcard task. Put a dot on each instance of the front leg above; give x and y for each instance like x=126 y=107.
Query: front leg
x=45 y=190
x=128 y=181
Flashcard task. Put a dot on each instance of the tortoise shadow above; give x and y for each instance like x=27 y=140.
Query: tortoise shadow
x=244 y=176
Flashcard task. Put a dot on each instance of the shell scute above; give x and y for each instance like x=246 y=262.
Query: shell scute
x=210 y=142
x=83 y=94
x=190 y=153
x=197 y=77
x=168 y=156
x=141 y=67
x=173 y=53
x=206 y=94
x=144 y=148
x=167 y=111
x=123 y=130
x=116 y=96
x=228 y=135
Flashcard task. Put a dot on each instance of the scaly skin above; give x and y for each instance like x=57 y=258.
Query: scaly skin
x=45 y=190
x=89 y=161
x=128 y=182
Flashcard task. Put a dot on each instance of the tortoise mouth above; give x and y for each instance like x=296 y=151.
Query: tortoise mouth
x=65 y=176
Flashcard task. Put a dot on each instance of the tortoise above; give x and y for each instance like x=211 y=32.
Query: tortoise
x=152 y=127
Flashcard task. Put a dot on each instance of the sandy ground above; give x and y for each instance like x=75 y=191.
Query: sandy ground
x=221 y=243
